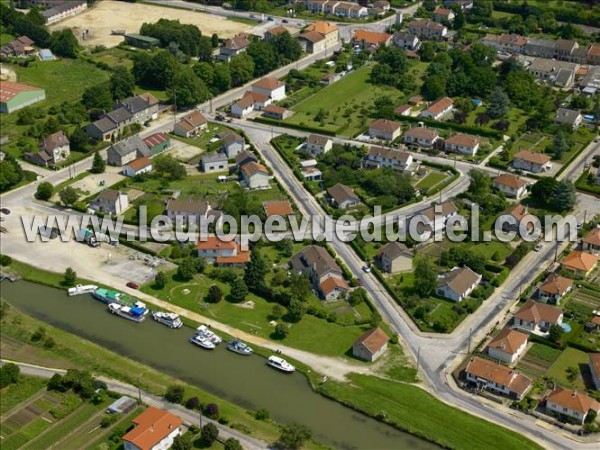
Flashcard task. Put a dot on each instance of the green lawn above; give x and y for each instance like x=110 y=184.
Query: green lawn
x=115 y=56
x=6 y=38
x=570 y=357
x=15 y=394
x=431 y=180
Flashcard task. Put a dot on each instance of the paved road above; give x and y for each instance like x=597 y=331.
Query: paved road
x=188 y=417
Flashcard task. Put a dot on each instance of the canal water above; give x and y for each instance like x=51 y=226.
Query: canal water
x=246 y=381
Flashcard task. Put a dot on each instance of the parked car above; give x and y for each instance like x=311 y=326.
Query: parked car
x=538 y=247
x=133 y=285
x=366 y=269
x=284 y=21
x=5 y=211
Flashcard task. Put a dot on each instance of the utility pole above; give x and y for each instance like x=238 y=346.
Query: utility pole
x=200 y=416
x=418 y=358
x=174 y=108
x=556 y=251
x=139 y=389
x=469 y=346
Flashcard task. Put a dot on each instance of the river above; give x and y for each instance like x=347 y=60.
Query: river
x=245 y=381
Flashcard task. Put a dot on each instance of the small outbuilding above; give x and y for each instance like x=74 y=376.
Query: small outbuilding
x=370 y=345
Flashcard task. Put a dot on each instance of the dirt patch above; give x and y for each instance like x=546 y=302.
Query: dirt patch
x=7 y=74
x=110 y=15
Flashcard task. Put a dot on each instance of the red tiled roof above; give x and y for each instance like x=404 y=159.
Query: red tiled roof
x=535 y=312
x=268 y=83
x=331 y=283
x=373 y=340
x=9 y=89
x=556 y=285
x=152 y=426
x=440 y=105
x=214 y=243
x=463 y=140
x=277 y=208
x=385 y=125
x=502 y=375
x=573 y=400
x=322 y=27
x=580 y=261
x=510 y=180
x=371 y=37
x=532 y=157
x=139 y=163
x=508 y=341
x=593 y=237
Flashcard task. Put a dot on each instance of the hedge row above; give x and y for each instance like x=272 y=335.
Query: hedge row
x=295 y=126
x=451 y=126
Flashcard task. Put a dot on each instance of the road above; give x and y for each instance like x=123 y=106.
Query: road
x=188 y=417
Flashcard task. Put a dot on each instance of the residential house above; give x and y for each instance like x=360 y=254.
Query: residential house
x=327 y=29
x=370 y=345
x=190 y=125
x=53 y=149
x=15 y=96
x=251 y=101
x=188 y=211
x=125 y=151
x=403 y=110
x=19 y=47
x=138 y=166
x=110 y=201
x=231 y=143
x=244 y=157
x=506 y=43
x=271 y=87
x=317 y=145
x=507 y=346
x=325 y=274
x=385 y=129
x=591 y=241
x=548 y=70
x=233 y=46
x=428 y=29
x=423 y=137
x=63 y=10
x=537 y=318
x=157 y=142
x=351 y=10
x=222 y=253
x=464 y=144
x=531 y=161
x=140 y=41
x=568 y=117
x=443 y=15
x=434 y=218
x=255 y=176
x=394 y=257
x=593 y=54
x=277 y=112
x=274 y=32
x=367 y=39
x=572 y=404
x=310 y=172
x=514 y=217
x=438 y=109
x=379 y=158
x=313 y=42
x=342 y=196
x=554 y=288
x=458 y=284
x=543 y=48
x=154 y=429
x=595 y=368
x=382 y=4
x=214 y=162
x=279 y=208
x=143 y=107
x=580 y=264
x=465 y=5
x=407 y=41
x=511 y=185
x=564 y=49
x=492 y=376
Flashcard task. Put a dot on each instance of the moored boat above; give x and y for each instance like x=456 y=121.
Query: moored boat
x=110 y=296
x=171 y=320
x=280 y=364
x=201 y=341
x=205 y=332
x=136 y=313
x=238 y=346
x=82 y=289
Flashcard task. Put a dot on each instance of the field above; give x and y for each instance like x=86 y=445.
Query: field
x=113 y=15
x=432 y=179
x=570 y=358
x=538 y=360
x=14 y=394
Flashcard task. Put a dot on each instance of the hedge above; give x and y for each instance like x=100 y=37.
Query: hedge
x=451 y=126
x=293 y=126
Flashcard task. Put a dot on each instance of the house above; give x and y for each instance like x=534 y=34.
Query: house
x=507 y=346
x=277 y=112
x=15 y=96
x=492 y=376
x=580 y=264
x=53 y=149
x=327 y=29
x=63 y=10
x=438 y=109
x=595 y=368
x=435 y=217
x=547 y=70
x=506 y=43
x=157 y=142
x=19 y=47
x=543 y=48
x=46 y=55
x=143 y=107
x=342 y=196
x=510 y=185
x=403 y=110
x=564 y=48
x=154 y=429
x=214 y=162
x=464 y=144
x=428 y=29
x=331 y=78
x=277 y=208
x=423 y=137
x=310 y=172
x=407 y=41
x=313 y=42
x=531 y=161
x=554 y=289
x=465 y=5
x=255 y=176
x=534 y=317
x=379 y=158
x=443 y=15
x=385 y=129
x=233 y=46
x=137 y=40
x=575 y=405
x=351 y=10
x=110 y=201
x=514 y=216
x=382 y=4
x=394 y=257
x=568 y=117
x=324 y=273
x=271 y=87
x=190 y=125
x=415 y=100
x=457 y=284
x=366 y=39
x=591 y=241
x=188 y=211
x=318 y=145
x=244 y=157
x=137 y=167
x=251 y=101
x=274 y=32
x=370 y=345
x=125 y=151
x=231 y=143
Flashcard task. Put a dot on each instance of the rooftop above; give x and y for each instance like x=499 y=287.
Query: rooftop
x=508 y=341
x=340 y=193
x=501 y=375
x=580 y=261
x=532 y=157
x=556 y=285
x=277 y=208
x=573 y=400
x=10 y=89
x=373 y=340
x=460 y=280
x=152 y=426
x=536 y=312
x=510 y=180
x=268 y=83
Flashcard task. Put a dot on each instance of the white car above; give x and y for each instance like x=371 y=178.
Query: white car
x=366 y=269
x=538 y=247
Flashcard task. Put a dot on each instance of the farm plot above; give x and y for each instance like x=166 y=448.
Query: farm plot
x=538 y=360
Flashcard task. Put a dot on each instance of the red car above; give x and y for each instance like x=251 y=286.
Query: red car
x=133 y=285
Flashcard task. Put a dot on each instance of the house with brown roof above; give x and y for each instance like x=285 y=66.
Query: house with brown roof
x=110 y=201
x=234 y=46
x=394 y=257
x=327 y=29
x=443 y=15
x=277 y=208
x=251 y=101
x=342 y=196
x=438 y=109
x=421 y=136
x=53 y=149
x=537 y=318
x=367 y=39
x=255 y=176
x=271 y=87
x=244 y=157
x=554 y=288
x=274 y=32
x=370 y=345
x=385 y=129
x=403 y=110
x=380 y=158
x=458 y=284
x=190 y=125
x=515 y=215
x=572 y=404
x=510 y=185
x=531 y=161
x=325 y=274
x=464 y=144
x=188 y=211
x=492 y=376
x=317 y=145
x=591 y=241
x=595 y=368
x=154 y=429
x=19 y=47
x=138 y=166
x=434 y=218
x=580 y=264
x=428 y=29
x=277 y=112
x=506 y=43
x=507 y=346
x=313 y=42
x=222 y=253
x=231 y=143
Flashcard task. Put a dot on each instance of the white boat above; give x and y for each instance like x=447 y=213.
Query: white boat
x=82 y=289
x=201 y=341
x=280 y=364
x=238 y=346
x=136 y=313
x=171 y=320
x=205 y=332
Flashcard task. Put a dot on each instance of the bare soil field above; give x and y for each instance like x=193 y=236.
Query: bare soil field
x=111 y=15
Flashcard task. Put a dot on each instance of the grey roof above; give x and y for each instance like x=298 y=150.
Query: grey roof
x=104 y=124
x=538 y=42
x=564 y=115
x=395 y=249
x=119 y=115
x=317 y=139
x=550 y=65
x=245 y=156
x=132 y=144
x=108 y=194
x=188 y=206
x=135 y=104
x=405 y=36
x=459 y=280
x=592 y=79
x=61 y=7
x=563 y=76
x=340 y=193
x=229 y=137
x=214 y=157
x=317 y=258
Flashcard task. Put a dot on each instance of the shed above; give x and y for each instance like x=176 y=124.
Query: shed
x=46 y=55
x=121 y=405
x=370 y=345
x=137 y=40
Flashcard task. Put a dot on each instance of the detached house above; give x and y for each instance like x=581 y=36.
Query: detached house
x=428 y=29
x=508 y=346
x=214 y=162
x=385 y=129
x=326 y=276
x=313 y=42
x=531 y=161
x=435 y=217
x=573 y=404
x=394 y=257
x=407 y=41
x=244 y=157
x=271 y=87
x=511 y=185
x=513 y=216
x=231 y=144
x=110 y=201
x=190 y=125
x=19 y=47
x=568 y=117
x=233 y=46
x=53 y=149
x=154 y=429
x=424 y=137
x=536 y=317
x=317 y=145
x=342 y=196
x=255 y=176
x=327 y=29
x=366 y=39
x=370 y=345
x=125 y=151
x=222 y=253
x=443 y=15
x=554 y=289
x=188 y=211
x=489 y=375
x=277 y=112
x=464 y=144
x=138 y=166
x=591 y=241
x=580 y=264
x=277 y=208
x=379 y=158
x=458 y=284
x=438 y=109
x=251 y=101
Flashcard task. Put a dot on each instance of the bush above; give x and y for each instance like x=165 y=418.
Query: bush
x=192 y=403
x=109 y=419
x=5 y=260
x=175 y=393
x=212 y=411
x=44 y=191
x=9 y=374
x=209 y=433
x=262 y=414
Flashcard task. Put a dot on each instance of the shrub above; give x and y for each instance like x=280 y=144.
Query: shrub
x=174 y=393
x=5 y=260
x=212 y=411
x=262 y=414
x=192 y=403
x=209 y=433
x=108 y=420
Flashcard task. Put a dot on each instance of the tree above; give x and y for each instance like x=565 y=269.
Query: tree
x=255 y=272
x=281 y=331
x=79 y=140
x=160 y=280
x=188 y=88
x=9 y=374
x=499 y=102
x=98 y=164
x=193 y=403
x=293 y=436
x=296 y=310
x=214 y=40
x=44 y=191
x=168 y=167
x=175 y=393
x=214 y=294
x=425 y=277
x=357 y=297
x=241 y=68
x=541 y=191
x=277 y=312
x=481 y=183
x=11 y=172
x=239 y=290
x=212 y=411
x=559 y=144
x=68 y=196
x=233 y=444
x=564 y=196
x=122 y=83
x=209 y=433
x=182 y=442
x=555 y=333
x=222 y=78
x=434 y=87
x=97 y=97
x=186 y=270
x=70 y=277
x=264 y=57
x=64 y=43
